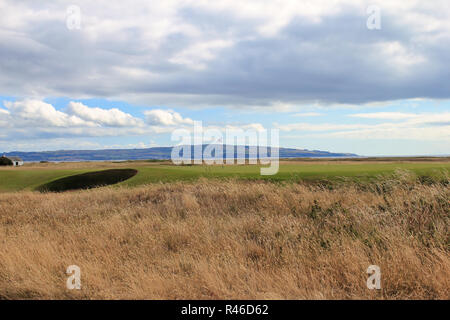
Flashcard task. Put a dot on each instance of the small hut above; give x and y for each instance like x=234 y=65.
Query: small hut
x=11 y=161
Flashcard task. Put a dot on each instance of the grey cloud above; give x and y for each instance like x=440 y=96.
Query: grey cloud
x=335 y=60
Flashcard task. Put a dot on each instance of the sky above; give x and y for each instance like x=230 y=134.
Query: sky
x=371 y=78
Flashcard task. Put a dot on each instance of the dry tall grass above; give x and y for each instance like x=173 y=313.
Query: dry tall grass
x=233 y=239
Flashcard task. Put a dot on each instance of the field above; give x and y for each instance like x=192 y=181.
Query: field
x=197 y=232
x=31 y=176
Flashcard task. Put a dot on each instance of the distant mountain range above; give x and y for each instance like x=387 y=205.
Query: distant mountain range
x=157 y=153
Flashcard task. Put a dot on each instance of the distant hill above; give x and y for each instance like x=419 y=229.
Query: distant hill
x=159 y=153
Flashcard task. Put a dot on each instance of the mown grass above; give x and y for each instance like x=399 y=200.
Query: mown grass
x=287 y=172
x=30 y=178
x=16 y=180
x=230 y=239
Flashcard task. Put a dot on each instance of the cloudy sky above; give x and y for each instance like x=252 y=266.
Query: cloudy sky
x=328 y=74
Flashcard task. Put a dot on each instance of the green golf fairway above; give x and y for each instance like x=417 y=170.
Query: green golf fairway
x=31 y=178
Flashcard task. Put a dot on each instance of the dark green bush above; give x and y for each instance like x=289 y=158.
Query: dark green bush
x=5 y=161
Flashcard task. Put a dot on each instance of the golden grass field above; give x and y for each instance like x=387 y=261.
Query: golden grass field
x=229 y=239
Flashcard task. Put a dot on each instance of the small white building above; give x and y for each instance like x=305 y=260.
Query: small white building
x=16 y=161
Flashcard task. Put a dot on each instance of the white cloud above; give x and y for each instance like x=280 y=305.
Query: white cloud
x=307 y=114
x=408 y=126
x=49 y=144
x=37 y=120
x=412 y=118
x=198 y=54
x=32 y=113
x=303 y=126
x=160 y=117
x=385 y=115
x=139 y=145
x=111 y=117
x=398 y=56
x=252 y=127
x=440 y=134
